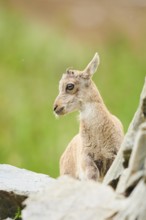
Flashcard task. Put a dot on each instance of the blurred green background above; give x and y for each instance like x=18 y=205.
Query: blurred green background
x=38 y=41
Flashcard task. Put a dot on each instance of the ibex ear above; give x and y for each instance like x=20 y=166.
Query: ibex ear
x=92 y=66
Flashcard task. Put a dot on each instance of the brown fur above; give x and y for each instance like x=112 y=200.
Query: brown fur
x=91 y=152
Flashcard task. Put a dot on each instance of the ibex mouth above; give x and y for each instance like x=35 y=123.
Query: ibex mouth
x=59 y=111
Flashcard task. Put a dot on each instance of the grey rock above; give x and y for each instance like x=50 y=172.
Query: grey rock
x=134 y=206
x=16 y=185
x=21 y=181
x=70 y=199
x=124 y=153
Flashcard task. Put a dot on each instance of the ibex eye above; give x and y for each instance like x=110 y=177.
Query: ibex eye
x=70 y=86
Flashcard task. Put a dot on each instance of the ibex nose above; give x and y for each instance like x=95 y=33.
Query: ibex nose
x=55 y=107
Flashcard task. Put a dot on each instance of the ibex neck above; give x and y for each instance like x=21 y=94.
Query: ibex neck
x=93 y=111
x=92 y=119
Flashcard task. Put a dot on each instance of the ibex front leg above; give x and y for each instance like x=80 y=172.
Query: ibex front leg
x=89 y=168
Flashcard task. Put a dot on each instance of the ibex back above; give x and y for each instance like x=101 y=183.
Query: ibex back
x=92 y=151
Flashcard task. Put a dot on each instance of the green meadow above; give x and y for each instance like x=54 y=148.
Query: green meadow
x=32 y=60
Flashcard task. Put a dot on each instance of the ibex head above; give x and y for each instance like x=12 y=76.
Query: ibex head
x=75 y=88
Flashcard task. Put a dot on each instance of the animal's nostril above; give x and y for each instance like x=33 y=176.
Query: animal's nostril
x=55 y=107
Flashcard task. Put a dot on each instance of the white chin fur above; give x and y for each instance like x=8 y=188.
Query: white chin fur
x=56 y=116
x=88 y=112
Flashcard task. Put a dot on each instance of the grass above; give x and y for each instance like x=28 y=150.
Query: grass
x=31 y=63
x=18 y=215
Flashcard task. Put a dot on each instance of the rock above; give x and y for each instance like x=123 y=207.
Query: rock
x=72 y=199
x=134 y=207
x=21 y=181
x=136 y=170
x=122 y=159
x=16 y=185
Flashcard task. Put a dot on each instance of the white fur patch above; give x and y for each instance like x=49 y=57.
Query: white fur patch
x=88 y=111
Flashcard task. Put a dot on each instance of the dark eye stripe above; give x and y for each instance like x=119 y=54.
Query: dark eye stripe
x=70 y=86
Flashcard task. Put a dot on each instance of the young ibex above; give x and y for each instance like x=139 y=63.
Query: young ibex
x=92 y=151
